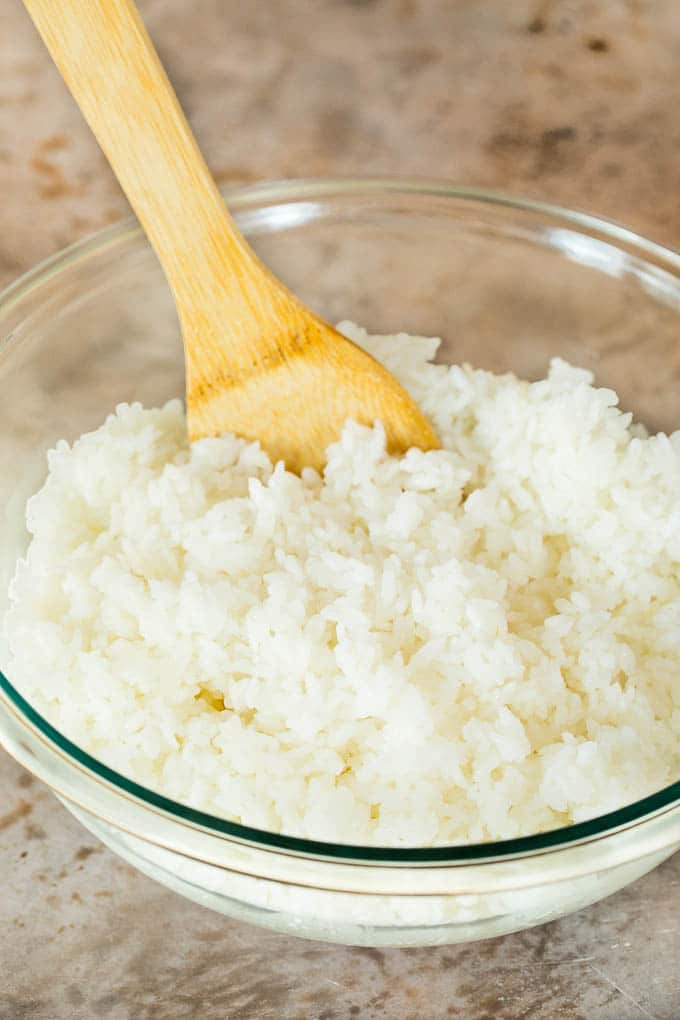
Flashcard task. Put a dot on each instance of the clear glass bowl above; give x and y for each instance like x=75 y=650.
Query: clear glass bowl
x=508 y=284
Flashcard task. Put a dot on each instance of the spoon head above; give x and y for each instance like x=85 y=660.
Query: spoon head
x=302 y=385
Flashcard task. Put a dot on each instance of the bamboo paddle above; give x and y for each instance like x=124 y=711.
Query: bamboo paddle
x=258 y=362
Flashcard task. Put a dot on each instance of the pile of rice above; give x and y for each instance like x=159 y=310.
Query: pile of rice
x=472 y=643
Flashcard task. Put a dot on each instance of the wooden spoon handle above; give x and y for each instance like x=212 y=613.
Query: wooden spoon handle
x=110 y=65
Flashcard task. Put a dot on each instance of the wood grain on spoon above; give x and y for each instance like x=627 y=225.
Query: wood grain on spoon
x=258 y=362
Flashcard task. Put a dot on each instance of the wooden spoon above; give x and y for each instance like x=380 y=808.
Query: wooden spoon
x=258 y=362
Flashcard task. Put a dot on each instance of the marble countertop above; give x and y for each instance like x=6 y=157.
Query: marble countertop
x=572 y=100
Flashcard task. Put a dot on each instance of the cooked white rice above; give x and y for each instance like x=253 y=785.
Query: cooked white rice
x=473 y=643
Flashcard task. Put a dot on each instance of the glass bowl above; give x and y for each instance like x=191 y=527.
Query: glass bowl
x=508 y=284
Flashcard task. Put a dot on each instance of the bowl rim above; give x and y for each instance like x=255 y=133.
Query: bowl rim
x=266 y=194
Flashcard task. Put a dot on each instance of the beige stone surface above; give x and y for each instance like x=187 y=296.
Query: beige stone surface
x=572 y=100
